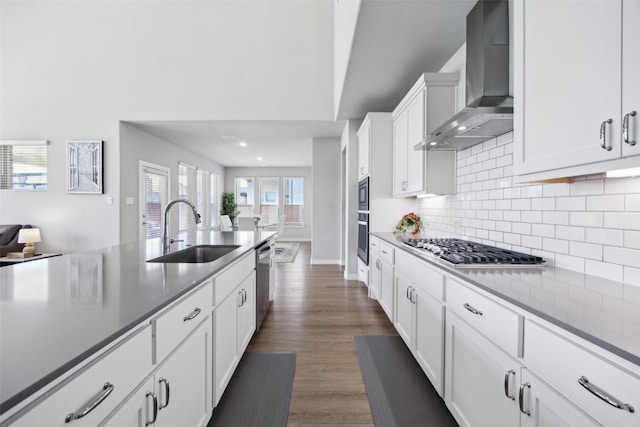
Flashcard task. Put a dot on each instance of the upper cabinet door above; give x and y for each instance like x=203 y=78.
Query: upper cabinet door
x=400 y=152
x=364 y=142
x=416 y=133
x=630 y=75
x=567 y=83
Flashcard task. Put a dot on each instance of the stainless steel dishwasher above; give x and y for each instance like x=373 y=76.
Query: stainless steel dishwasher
x=263 y=267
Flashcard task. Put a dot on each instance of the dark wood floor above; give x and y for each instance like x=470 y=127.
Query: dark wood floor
x=315 y=313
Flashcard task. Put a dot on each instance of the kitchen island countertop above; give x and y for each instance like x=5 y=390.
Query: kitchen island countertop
x=56 y=312
x=601 y=311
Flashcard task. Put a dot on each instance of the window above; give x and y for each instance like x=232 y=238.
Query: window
x=186 y=190
x=269 y=200
x=245 y=196
x=294 y=201
x=202 y=197
x=214 y=197
x=154 y=191
x=23 y=165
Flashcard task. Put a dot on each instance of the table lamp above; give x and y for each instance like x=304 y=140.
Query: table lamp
x=29 y=236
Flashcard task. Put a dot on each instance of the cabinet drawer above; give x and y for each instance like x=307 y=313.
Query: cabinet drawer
x=495 y=321
x=227 y=281
x=120 y=370
x=387 y=253
x=562 y=363
x=427 y=278
x=180 y=319
x=363 y=272
x=374 y=247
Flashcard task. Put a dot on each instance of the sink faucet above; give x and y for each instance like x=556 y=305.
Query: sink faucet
x=166 y=241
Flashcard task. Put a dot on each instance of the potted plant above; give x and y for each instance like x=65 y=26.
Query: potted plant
x=229 y=206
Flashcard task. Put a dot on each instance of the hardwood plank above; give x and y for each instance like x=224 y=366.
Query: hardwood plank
x=315 y=313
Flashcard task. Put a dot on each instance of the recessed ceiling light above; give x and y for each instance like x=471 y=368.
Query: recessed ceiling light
x=259 y=158
x=462 y=128
x=433 y=143
x=242 y=144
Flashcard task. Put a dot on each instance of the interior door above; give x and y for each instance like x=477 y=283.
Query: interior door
x=154 y=196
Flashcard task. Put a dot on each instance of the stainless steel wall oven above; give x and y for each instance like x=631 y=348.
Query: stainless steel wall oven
x=363 y=237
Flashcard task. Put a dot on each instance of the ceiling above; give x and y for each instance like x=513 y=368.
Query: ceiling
x=394 y=42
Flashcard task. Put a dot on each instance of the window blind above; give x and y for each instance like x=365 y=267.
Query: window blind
x=23 y=165
x=187 y=191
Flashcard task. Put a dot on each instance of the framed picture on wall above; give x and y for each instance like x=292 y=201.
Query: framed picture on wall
x=84 y=167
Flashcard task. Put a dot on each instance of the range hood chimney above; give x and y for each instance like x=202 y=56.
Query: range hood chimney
x=489 y=110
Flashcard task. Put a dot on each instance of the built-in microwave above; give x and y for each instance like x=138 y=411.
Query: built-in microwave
x=363 y=195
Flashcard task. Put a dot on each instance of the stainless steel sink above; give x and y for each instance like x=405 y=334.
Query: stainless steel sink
x=197 y=254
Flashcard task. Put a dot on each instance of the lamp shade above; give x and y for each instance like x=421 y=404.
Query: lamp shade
x=29 y=235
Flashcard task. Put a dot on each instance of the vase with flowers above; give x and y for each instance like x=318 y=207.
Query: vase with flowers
x=410 y=224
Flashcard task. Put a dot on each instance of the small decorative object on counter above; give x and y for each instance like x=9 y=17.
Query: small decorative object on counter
x=256 y=220
x=409 y=224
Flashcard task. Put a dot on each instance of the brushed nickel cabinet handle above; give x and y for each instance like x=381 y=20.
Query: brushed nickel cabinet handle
x=625 y=128
x=603 y=395
x=92 y=404
x=521 y=399
x=506 y=384
x=192 y=315
x=472 y=309
x=167 y=392
x=155 y=408
x=603 y=135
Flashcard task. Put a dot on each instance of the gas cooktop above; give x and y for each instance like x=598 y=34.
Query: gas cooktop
x=463 y=253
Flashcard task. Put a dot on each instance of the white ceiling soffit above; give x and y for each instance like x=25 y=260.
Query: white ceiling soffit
x=268 y=143
x=395 y=41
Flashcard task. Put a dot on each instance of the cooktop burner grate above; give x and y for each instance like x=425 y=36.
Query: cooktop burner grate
x=466 y=253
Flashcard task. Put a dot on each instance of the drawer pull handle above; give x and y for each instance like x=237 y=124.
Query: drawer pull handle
x=521 y=399
x=193 y=315
x=92 y=404
x=603 y=135
x=383 y=251
x=167 y=392
x=625 y=128
x=600 y=393
x=506 y=384
x=472 y=309
x=155 y=408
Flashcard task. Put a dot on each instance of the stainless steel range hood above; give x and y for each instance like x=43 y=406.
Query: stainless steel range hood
x=489 y=110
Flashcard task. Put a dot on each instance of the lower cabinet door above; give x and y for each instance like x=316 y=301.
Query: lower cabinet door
x=386 y=288
x=225 y=346
x=481 y=380
x=183 y=382
x=404 y=310
x=429 y=337
x=544 y=407
x=247 y=313
x=375 y=282
x=139 y=410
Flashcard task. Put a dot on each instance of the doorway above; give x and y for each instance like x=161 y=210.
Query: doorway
x=154 y=195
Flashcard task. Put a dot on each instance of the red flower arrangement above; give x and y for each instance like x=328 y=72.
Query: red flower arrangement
x=407 y=222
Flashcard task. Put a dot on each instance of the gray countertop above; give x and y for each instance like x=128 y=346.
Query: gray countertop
x=55 y=312
x=603 y=312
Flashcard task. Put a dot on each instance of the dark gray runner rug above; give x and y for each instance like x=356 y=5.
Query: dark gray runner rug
x=399 y=393
x=258 y=393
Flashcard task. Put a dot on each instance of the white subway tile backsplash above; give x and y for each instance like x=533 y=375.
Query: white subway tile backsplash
x=591 y=225
x=571 y=203
x=605 y=203
x=622 y=220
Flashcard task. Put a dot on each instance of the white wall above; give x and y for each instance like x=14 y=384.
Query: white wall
x=293 y=233
x=349 y=143
x=136 y=145
x=345 y=20
x=74 y=70
x=326 y=217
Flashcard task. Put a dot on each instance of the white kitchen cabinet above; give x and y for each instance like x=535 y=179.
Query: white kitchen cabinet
x=180 y=388
x=419 y=314
x=481 y=380
x=382 y=275
x=364 y=144
x=91 y=394
x=575 y=79
x=542 y=406
x=587 y=378
x=430 y=102
x=363 y=271
x=234 y=325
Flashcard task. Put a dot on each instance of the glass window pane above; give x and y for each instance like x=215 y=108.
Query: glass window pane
x=202 y=197
x=187 y=191
x=245 y=196
x=213 y=207
x=294 y=201
x=269 y=200
x=23 y=166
